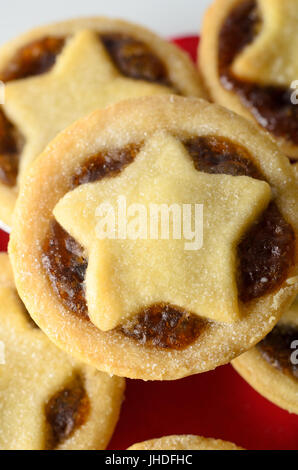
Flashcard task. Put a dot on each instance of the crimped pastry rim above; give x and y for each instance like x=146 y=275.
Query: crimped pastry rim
x=184 y=442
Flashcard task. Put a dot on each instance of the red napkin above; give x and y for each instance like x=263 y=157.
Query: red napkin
x=3 y=241
x=216 y=404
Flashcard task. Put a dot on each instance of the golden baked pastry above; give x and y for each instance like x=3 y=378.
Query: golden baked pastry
x=59 y=73
x=152 y=307
x=48 y=400
x=186 y=442
x=248 y=56
x=271 y=367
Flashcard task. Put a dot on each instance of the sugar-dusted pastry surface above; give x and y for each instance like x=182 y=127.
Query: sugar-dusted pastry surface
x=184 y=442
x=48 y=400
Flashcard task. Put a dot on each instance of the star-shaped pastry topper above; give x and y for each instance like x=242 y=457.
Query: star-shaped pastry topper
x=271 y=59
x=124 y=276
x=83 y=79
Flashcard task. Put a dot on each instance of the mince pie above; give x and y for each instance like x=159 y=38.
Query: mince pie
x=248 y=54
x=151 y=297
x=185 y=442
x=59 y=73
x=49 y=401
x=271 y=367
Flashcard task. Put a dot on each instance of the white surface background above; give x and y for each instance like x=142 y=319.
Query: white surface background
x=167 y=17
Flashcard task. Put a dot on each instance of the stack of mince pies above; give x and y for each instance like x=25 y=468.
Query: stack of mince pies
x=100 y=111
